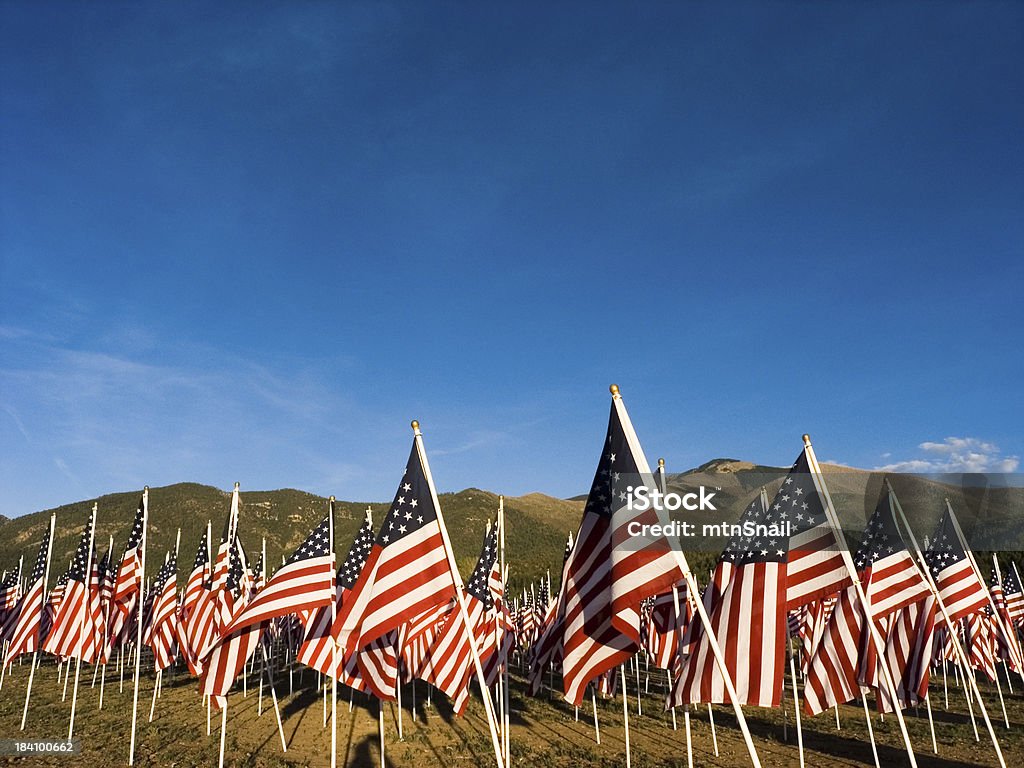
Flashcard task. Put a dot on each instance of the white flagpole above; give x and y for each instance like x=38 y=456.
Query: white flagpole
x=223 y=731
x=796 y=710
x=593 y=704
x=625 y=712
x=380 y=725
x=957 y=648
x=871 y=732
x=679 y=650
x=505 y=698
x=876 y=639
x=460 y=596
x=931 y=723
x=81 y=619
x=273 y=696
x=35 y=654
x=334 y=645
x=138 y=645
x=691 y=585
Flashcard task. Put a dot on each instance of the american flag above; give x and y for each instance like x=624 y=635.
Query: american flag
x=908 y=650
x=214 y=607
x=9 y=589
x=196 y=578
x=749 y=619
x=73 y=634
x=960 y=589
x=305 y=582
x=891 y=582
x=886 y=569
x=230 y=650
x=449 y=662
x=25 y=636
x=981 y=643
x=607 y=575
x=815 y=566
x=163 y=633
x=1007 y=645
x=407 y=570
x=419 y=637
x=316 y=649
x=129 y=575
x=1014 y=595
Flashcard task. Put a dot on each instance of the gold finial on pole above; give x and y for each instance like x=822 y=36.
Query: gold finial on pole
x=807 y=439
x=332 y=499
x=661 y=462
x=415 y=426
x=614 y=389
x=237 y=485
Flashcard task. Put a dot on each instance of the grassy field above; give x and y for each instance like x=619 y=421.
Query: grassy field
x=544 y=731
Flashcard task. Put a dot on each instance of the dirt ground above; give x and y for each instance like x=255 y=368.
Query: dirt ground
x=544 y=731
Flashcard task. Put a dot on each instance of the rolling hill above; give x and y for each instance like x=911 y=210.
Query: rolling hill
x=993 y=518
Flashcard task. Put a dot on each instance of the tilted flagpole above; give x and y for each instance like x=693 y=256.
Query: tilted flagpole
x=691 y=585
x=460 y=596
x=42 y=610
x=873 y=633
x=334 y=646
x=138 y=643
x=81 y=620
x=957 y=648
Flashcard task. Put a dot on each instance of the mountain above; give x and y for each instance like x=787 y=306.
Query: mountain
x=537 y=525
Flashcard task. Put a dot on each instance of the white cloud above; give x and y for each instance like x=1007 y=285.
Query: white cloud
x=956 y=454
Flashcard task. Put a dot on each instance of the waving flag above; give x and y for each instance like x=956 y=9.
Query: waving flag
x=73 y=634
x=305 y=582
x=846 y=660
x=959 y=587
x=196 y=578
x=448 y=662
x=608 y=575
x=407 y=571
x=316 y=649
x=1014 y=595
x=163 y=633
x=26 y=632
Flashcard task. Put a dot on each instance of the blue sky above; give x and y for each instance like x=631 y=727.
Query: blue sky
x=251 y=243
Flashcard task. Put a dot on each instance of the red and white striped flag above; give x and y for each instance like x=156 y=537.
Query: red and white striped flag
x=407 y=570
x=610 y=572
x=29 y=611
x=1014 y=595
x=73 y=634
x=317 y=647
x=163 y=631
x=304 y=583
x=909 y=650
x=959 y=586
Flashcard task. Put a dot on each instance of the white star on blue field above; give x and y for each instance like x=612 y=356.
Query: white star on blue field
x=251 y=243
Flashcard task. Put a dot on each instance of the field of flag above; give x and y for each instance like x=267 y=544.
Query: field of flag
x=795 y=649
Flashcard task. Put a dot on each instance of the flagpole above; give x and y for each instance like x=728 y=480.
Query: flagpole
x=459 y=596
x=957 y=648
x=505 y=698
x=691 y=584
x=105 y=610
x=138 y=644
x=81 y=621
x=334 y=645
x=833 y=519
x=42 y=610
x=593 y=704
x=625 y=712
x=679 y=653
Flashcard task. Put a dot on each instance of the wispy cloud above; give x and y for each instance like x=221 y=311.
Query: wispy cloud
x=956 y=454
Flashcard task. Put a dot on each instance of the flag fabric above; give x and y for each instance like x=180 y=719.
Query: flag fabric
x=610 y=573
x=73 y=633
x=980 y=643
x=305 y=582
x=1007 y=645
x=317 y=646
x=24 y=637
x=908 y=650
x=449 y=660
x=230 y=649
x=163 y=632
x=129 y=575
x=196 y=578
x=846 y=660
x=407 y=570
x=1014 y=596
x=959 y=587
